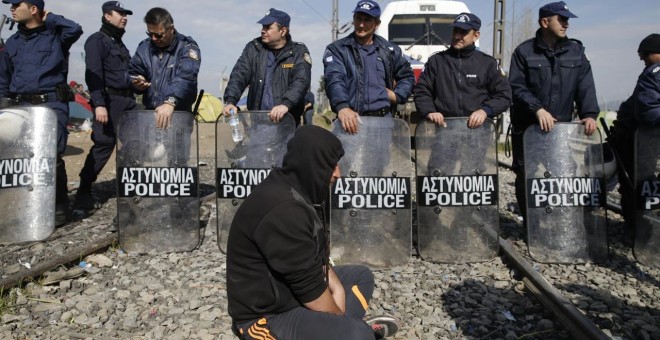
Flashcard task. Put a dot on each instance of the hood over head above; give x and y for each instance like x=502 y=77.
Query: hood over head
x=311 y=157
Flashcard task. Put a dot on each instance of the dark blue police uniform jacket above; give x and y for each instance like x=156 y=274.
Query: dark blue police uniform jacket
x=106 y=65
x=344 y=77
x=172 y=71
x=37 y=61
x=556 y=80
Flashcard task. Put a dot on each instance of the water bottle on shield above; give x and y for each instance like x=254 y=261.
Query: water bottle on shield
x=236 y=127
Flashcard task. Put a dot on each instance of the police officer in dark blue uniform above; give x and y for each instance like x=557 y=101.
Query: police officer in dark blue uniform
x=550 y=76
x=276 y=69
x=641 y=109
x=36 y=68
x=165 y=67
x=106 y=59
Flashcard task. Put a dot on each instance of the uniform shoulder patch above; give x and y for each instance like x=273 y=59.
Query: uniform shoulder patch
x=193 y=54
x=655 y=70
x=307 y=58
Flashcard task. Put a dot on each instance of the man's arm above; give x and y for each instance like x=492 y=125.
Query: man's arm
x=499 y=91
x=69 y=30
x=585 y=97
x=648 y=97
x=333 y=299
x=518 y=80
x=239 y=79
x=335 y=78
x=301 y=76
x=5 y=73
x=94 y=76
x=425 y=89
x=137 y=67
x=286 y=240
x=183 y=85
x=404 y=78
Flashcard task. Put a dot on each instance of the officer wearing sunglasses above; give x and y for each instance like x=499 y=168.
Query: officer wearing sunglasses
x=165 y=67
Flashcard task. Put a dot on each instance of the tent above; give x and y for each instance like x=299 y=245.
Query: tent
x=210 y=108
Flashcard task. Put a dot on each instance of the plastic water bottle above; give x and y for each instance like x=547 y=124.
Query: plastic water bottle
x=236 y=127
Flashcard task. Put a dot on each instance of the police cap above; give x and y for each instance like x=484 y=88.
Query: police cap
x=274 y=15
x=38 y=3
x=115 y=6
x=555 y=8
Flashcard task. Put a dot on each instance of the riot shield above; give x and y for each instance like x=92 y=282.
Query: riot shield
x=241 y=165
x=371 y=219
x=565 y=194
x=157 y=183
x=647 y=181
x=457 y=186
x=28 y=156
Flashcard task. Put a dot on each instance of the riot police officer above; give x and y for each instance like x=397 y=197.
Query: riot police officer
x=165 y=67
x=34 y=77
x=106 y=59
x=642 y=108
x=550 y=76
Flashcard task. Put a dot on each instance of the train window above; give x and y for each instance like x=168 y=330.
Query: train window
x=425 y=29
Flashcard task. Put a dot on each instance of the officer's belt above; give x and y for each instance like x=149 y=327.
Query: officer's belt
x=119 y=92
x=377 y=113
x=35 y=99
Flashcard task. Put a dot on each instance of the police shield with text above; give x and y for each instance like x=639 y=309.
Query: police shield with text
x=157 y=183
x=647 y=181
x=244 y=159
x=28 y=157
x=371 y=216
x=565 y=194
x=457 y=201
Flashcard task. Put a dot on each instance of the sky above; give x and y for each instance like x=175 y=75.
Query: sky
x=610 y=30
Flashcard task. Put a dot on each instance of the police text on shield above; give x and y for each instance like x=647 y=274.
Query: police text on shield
x=649 y=194
x=26 y=172
x=238 y=183
x=158 y=182
x=371 y=193
x=457 y=191
x=564 y=192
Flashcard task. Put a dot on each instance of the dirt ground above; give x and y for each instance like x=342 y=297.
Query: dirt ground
x=80 y=142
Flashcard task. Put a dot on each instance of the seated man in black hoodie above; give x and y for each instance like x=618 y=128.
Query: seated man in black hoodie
x=280 y=284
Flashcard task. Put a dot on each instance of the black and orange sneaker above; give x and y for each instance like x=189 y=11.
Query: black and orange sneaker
x=383 y=326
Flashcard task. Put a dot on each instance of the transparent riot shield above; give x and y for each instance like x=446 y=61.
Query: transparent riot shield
x=241 y=165
x=647 y=179
x=157 y=183
x=457 y=186
x=565 y=194
x=28 y=155
x=371 y=218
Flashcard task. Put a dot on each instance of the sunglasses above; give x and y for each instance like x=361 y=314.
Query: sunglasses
x=155 y=35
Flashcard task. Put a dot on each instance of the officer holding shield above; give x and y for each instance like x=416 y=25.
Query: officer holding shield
x=365 y=75
x=641 y=109
x=165 y=67
x=550 y=76
x=277 y=70
x=462 y=81
x=32 y=77
x=106 y=59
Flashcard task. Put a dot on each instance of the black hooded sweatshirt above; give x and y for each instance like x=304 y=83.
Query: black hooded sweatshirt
x=277 y=243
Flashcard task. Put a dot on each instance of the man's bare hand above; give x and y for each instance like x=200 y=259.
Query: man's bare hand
x=140 y=83
x=477 y=118
x=349 y=120
x=277 y=113
x=546 y=120
x=101 y=115
x=391 y=96
x=164 y=116
x=228 y=108
x=437 y=118
x=589 y=126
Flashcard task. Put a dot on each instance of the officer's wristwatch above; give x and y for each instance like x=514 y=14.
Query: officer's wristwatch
x=171 y=100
